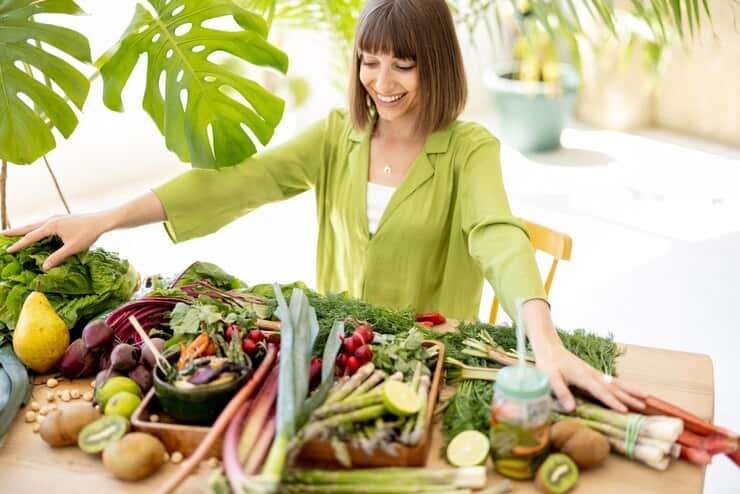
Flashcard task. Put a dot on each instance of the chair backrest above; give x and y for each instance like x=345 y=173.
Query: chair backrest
x=543 y=239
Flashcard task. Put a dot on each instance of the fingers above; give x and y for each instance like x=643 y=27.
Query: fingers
x=629 y=389
x=562 y=392
x=22 y=230
x=29 y=238
x=58 y=256
x=595 y=385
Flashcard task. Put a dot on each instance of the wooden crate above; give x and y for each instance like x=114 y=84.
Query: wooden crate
x=321 y=454
x=174 y=436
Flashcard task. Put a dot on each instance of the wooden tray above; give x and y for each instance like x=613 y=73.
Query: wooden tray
x=174 y=436
x=321 y=453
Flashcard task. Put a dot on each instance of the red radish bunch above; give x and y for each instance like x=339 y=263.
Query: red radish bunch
x=253 y=341
x=355 y=351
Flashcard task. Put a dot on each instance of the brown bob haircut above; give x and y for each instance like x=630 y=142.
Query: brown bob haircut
x=419 y=30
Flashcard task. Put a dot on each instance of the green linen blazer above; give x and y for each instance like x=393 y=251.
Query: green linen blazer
x=447 y=227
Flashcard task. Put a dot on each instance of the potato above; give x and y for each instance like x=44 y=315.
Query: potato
x=61 y=427
x=135 y=456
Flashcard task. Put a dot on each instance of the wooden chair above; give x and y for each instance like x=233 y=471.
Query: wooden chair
x=543 y=239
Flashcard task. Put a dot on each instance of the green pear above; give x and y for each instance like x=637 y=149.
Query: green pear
x=40 y=337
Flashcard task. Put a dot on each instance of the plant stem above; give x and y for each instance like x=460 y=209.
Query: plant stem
x=3 y=191
x=56 y=185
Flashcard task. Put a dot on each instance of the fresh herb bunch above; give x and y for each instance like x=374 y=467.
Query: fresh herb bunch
x=598 y=351
x=337 y=307
x=469 y=408
x=401 y=352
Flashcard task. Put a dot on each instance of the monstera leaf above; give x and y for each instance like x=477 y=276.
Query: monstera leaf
x=193 y=100
x=24 y=133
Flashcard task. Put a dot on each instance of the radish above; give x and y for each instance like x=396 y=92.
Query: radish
x=249 y=346
x=365 y=331
x=353 y=363
x=349 y=345
x=230 y=330
x=364 y=354
x=256 y=335
x=358 y=339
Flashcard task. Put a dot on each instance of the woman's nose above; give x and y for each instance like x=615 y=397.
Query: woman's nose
x=384 y=81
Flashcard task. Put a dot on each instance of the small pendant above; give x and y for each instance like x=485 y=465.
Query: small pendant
x=387 y=170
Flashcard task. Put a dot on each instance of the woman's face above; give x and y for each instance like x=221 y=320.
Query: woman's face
x=392 y=83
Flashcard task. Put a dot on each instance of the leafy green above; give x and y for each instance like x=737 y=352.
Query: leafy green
x=469 y=408
x=24 y=133
x=208 y=314
x=200 y=107
x=400 y=353
x=206 y=271
x=82 y=287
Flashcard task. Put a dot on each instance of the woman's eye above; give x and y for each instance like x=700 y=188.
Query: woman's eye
x=369 y=64
x=410 y=67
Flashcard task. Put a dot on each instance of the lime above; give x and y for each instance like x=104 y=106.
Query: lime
x=400 y=398
x=467 y=449
x=113 y=386
x=123 y=404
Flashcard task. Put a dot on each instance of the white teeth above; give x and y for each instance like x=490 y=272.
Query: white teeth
x=386 y=99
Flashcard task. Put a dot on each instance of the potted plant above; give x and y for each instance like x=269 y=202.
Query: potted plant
x=534 y=90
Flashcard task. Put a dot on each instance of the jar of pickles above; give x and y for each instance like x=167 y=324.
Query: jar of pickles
x=520 y=421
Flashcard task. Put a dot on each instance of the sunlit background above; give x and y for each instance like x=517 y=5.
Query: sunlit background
x=647 y=182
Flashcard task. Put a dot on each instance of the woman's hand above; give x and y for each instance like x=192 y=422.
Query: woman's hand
x=563 y=368
x=78 y=232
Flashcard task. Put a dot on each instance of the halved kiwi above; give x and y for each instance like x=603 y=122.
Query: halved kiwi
x=557 y=475
x=95 y=437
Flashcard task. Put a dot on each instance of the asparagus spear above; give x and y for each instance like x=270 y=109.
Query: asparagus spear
x=358 y=378
x=377 y=377
x=418 y=430
x=313 y=429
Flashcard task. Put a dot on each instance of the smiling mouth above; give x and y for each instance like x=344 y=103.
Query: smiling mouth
x=389 y=99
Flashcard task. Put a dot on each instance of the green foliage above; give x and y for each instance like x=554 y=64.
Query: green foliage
x=207 y=130
x=24 y=133
x=82 y=287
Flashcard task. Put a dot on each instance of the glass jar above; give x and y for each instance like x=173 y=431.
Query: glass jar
x=520 y=421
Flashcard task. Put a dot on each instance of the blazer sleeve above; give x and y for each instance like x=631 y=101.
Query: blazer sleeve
x=497 y=240
x=201 y=201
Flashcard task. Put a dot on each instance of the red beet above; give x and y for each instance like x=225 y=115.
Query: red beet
x=97 y=335
x=142 y=376
x=124 y=357
x=147 y=357
x=78 y=361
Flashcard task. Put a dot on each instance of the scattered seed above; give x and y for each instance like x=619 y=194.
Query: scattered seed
x=75 y=394
x=87 y=396
x=30 y=416
x=50 y=396
x=92 y=384
x=166 y=457
x=59 y=393
x=65 y=396
x=51 y=382
x=154 y=418
x=36 y=427
x=39 y=418
x=35 y=406
x=176 y=457
x=43 y=411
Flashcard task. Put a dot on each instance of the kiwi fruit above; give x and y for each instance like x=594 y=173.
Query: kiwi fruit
x=584 y=445
x=134 y=457
x=557 y=475
x=95 y=437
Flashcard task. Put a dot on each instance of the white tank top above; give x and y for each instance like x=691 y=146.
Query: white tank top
x=378 y=197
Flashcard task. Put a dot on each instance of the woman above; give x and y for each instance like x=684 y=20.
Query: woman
x=411 y=205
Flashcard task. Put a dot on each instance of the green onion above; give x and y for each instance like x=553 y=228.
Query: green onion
x=457 y=371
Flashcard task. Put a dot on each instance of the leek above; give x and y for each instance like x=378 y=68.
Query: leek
x=458 y=371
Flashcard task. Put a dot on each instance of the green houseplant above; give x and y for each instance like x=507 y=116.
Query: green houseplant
x=533 y=88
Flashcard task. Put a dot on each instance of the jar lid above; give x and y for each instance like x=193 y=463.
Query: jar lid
x=522 y=382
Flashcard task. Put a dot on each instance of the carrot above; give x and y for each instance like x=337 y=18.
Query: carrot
x=656 y=406
x=197 y=348
x=219 y=426
x=695 y=456
x=714 y=444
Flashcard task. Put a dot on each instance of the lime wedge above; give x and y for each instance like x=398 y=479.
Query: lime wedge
x=467 y=449
x=400 y=398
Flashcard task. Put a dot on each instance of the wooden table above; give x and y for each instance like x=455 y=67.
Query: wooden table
x=28 y=465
